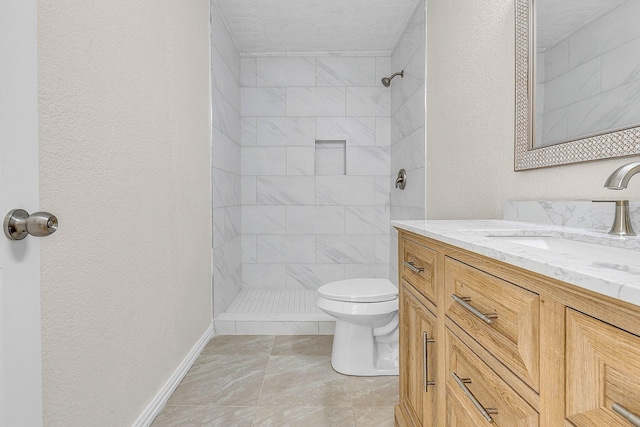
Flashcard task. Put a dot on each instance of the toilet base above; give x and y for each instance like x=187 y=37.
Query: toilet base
x=357 y=352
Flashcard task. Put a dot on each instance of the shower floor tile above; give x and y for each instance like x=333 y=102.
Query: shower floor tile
x=251 y=381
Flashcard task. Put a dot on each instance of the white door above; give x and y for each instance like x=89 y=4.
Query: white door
x=20 y=362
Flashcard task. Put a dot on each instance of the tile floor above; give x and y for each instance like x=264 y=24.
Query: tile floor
x=281 y=381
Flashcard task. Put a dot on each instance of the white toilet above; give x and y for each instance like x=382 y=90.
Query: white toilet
x=365 y=341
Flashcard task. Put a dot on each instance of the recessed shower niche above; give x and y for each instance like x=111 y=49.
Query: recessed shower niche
x=331 y=157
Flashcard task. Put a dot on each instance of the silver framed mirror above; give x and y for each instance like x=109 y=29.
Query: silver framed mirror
x=596 y=145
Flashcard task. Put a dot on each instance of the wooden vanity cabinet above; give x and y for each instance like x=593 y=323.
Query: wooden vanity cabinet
x=417 y=344
x=539 y=352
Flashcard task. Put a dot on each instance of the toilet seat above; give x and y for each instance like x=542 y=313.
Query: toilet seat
x=359 y=290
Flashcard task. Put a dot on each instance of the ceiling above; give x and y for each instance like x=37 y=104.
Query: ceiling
x=556 y=20
x=276 y=26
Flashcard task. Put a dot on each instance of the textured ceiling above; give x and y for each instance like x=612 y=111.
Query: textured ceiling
x=556 y=19
x=264 y=26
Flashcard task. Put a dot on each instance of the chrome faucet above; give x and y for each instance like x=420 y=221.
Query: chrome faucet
x=619 y=180
x=620 y=177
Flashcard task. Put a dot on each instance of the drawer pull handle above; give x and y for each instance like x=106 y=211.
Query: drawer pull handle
x=626 y=414
x=426 y=340
x=411 y=266
x=486 y=412
x=485 y=317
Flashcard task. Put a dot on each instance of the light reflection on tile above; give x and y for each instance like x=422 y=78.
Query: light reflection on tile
x=374 y=416
x=318 y=416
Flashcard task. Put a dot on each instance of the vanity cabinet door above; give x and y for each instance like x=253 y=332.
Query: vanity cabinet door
x=502 y=317
x=418 y=359
x=418 y=267
x=477 y=396
x=602 y=371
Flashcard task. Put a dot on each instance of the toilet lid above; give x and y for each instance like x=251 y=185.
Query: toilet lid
x=359 y=290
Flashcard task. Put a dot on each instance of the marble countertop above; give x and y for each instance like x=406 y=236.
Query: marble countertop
x=614 y=270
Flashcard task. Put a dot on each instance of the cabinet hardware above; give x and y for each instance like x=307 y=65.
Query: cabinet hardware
x=626 y=414
x=426 y=340
x=413 y=267
x=486 y=412
x=485 y=317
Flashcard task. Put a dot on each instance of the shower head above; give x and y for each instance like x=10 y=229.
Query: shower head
x=386 y=81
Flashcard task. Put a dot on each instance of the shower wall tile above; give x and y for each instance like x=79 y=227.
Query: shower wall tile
x=409 y=152
x=315 y=220
x=264 y=276
x=224 y=80
x=296 y=230
x=406 y=136
x=368 y=101
x=345 y=249
x=357 y=131
x=354 y=271
x=248 y=72
x=315 y=101
x=264 y=161
x=367 y=220
x=345 y=71
x=300 y=160
x=226 y=136
x=383 y=131
x=224 y=153
x=286 y=131
x=312 y=276
x=409 y=117
x=413 y=78
x=368 y=160
x=382 y=250
x=224 y=117
x=248 y=131
x=410 y=41
x=290 y=249
x=279 y=71
x=383 y=69
x=249 y=248
x=248 y=188
x=286 y=190
x=382 y=190
x=345 y=190
x=263 y=101
x=264 y=219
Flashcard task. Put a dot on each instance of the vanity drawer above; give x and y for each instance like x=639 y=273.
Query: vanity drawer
x=502 y=317
x=472 y=387
x=418 y=267
x=602 y=369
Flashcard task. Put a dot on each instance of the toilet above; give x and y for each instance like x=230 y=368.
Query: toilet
x=365 y=341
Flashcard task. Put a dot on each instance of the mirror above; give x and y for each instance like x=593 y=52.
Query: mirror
x=577 y=82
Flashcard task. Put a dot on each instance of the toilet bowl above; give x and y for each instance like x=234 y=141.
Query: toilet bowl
x=365 y=341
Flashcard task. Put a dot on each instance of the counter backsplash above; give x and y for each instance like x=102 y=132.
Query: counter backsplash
x=580 y=214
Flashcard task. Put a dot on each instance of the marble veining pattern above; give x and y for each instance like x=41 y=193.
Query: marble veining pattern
x=279 y=381
x=620 y=280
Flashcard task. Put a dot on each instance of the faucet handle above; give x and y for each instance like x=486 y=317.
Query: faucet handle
x=621 y=220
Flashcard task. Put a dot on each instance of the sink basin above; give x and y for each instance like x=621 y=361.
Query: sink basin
x=601 y=254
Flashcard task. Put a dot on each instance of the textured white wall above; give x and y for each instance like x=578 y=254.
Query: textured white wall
x=302 y=229
x=470 y=116
x=125 y=165
x=225 y=164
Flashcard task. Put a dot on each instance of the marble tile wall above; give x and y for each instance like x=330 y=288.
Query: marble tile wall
x=301 y=229
x=226 y=166
x=408 y=128
x=591 y=80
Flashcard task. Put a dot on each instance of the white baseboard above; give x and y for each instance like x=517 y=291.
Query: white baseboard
x=160 y=399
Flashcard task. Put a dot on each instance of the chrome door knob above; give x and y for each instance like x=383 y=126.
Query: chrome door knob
x=18 y=223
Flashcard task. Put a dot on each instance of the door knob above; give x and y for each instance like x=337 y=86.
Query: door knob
x=18 y=223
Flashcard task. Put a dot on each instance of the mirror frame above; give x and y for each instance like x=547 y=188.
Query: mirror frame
x=604 y=146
